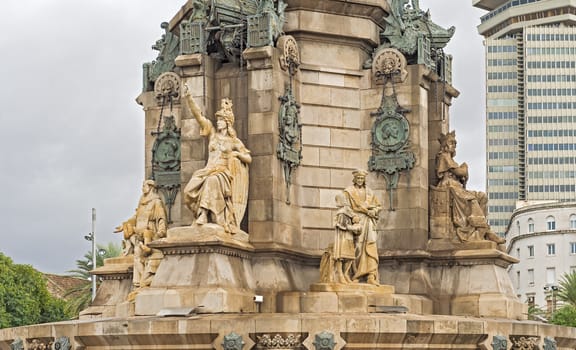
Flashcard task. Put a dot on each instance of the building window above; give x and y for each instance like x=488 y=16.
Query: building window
x=572 y=269
x=518 y=227
x=551 y=248
x=531 y=277
x=517 y=279
x=573 y=222
x=518 y=253
x=530 y=225
x=550 y=223
x=550 y=275
x=531 y=251
x=572 y=247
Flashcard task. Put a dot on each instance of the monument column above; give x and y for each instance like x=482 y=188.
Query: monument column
x=273 y=219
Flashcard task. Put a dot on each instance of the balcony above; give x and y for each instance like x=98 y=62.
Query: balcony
x=487 y=5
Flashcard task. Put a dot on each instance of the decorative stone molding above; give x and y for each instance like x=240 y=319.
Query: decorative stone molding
x=125 y=276
x=291 y=341
x=204 y=250
x=524 y=342
x=37 y=344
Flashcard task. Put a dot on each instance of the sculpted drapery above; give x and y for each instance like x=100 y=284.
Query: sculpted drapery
x=149 y=223
x=366 y=208
x=469 y=208
x=218 y=193
x=353 y=257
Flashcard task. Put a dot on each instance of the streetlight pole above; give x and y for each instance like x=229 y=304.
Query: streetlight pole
x=93 y=253
x=92 y=238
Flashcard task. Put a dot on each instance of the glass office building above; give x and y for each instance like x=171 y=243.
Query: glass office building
x=530 y=103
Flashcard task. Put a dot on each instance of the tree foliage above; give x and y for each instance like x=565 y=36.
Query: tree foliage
x=565 y=316
x=535 y=312
x=567 y=290
x=79 y=298
x=24 y=298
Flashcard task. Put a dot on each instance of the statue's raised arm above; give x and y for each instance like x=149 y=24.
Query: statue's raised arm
x=189 y=103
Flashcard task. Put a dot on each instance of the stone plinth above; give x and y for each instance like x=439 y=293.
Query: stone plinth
x=350 y=298
x=477 y=284
x=116 y=276
x=203 y=268
x=344 y=298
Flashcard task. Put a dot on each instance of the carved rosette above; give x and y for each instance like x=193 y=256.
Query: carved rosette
x=324 y=341
x=289 y=53
x=291 y=341
x=389 y=62
x=232 y=341
x=62 y=343
x=550 y=343
x=167 y=87
x=499 y=343
x=17 y=344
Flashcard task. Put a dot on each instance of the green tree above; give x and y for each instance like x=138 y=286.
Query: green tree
x=24 y=298
x=567 y=290
x=80 y=297
x=565 y=316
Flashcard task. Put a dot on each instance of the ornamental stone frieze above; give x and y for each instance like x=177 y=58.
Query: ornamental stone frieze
x=290 y=341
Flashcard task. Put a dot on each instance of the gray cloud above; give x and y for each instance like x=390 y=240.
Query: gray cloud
x=72 y=133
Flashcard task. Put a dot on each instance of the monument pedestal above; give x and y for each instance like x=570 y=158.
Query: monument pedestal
x=116 y=276
x=204 y=268
x=350 y=298
x=474 y=282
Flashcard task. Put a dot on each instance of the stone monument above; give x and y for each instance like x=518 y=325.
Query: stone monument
x=257 y=112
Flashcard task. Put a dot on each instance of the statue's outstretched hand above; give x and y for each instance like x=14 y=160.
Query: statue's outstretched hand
x=186 y=89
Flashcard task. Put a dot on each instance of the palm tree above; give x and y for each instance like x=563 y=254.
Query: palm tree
x=80 y=297
x=567 y=290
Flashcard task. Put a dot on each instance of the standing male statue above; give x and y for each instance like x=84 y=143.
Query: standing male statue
x=147 y=224
x=354 y=253
x=366 y=207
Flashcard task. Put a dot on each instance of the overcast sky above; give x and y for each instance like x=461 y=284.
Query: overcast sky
x=72 y=134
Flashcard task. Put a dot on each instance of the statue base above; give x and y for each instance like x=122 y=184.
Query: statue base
x=479 y=282
x=116 y=276
x=352 y=298
x=205 y=269
x=436 y=245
